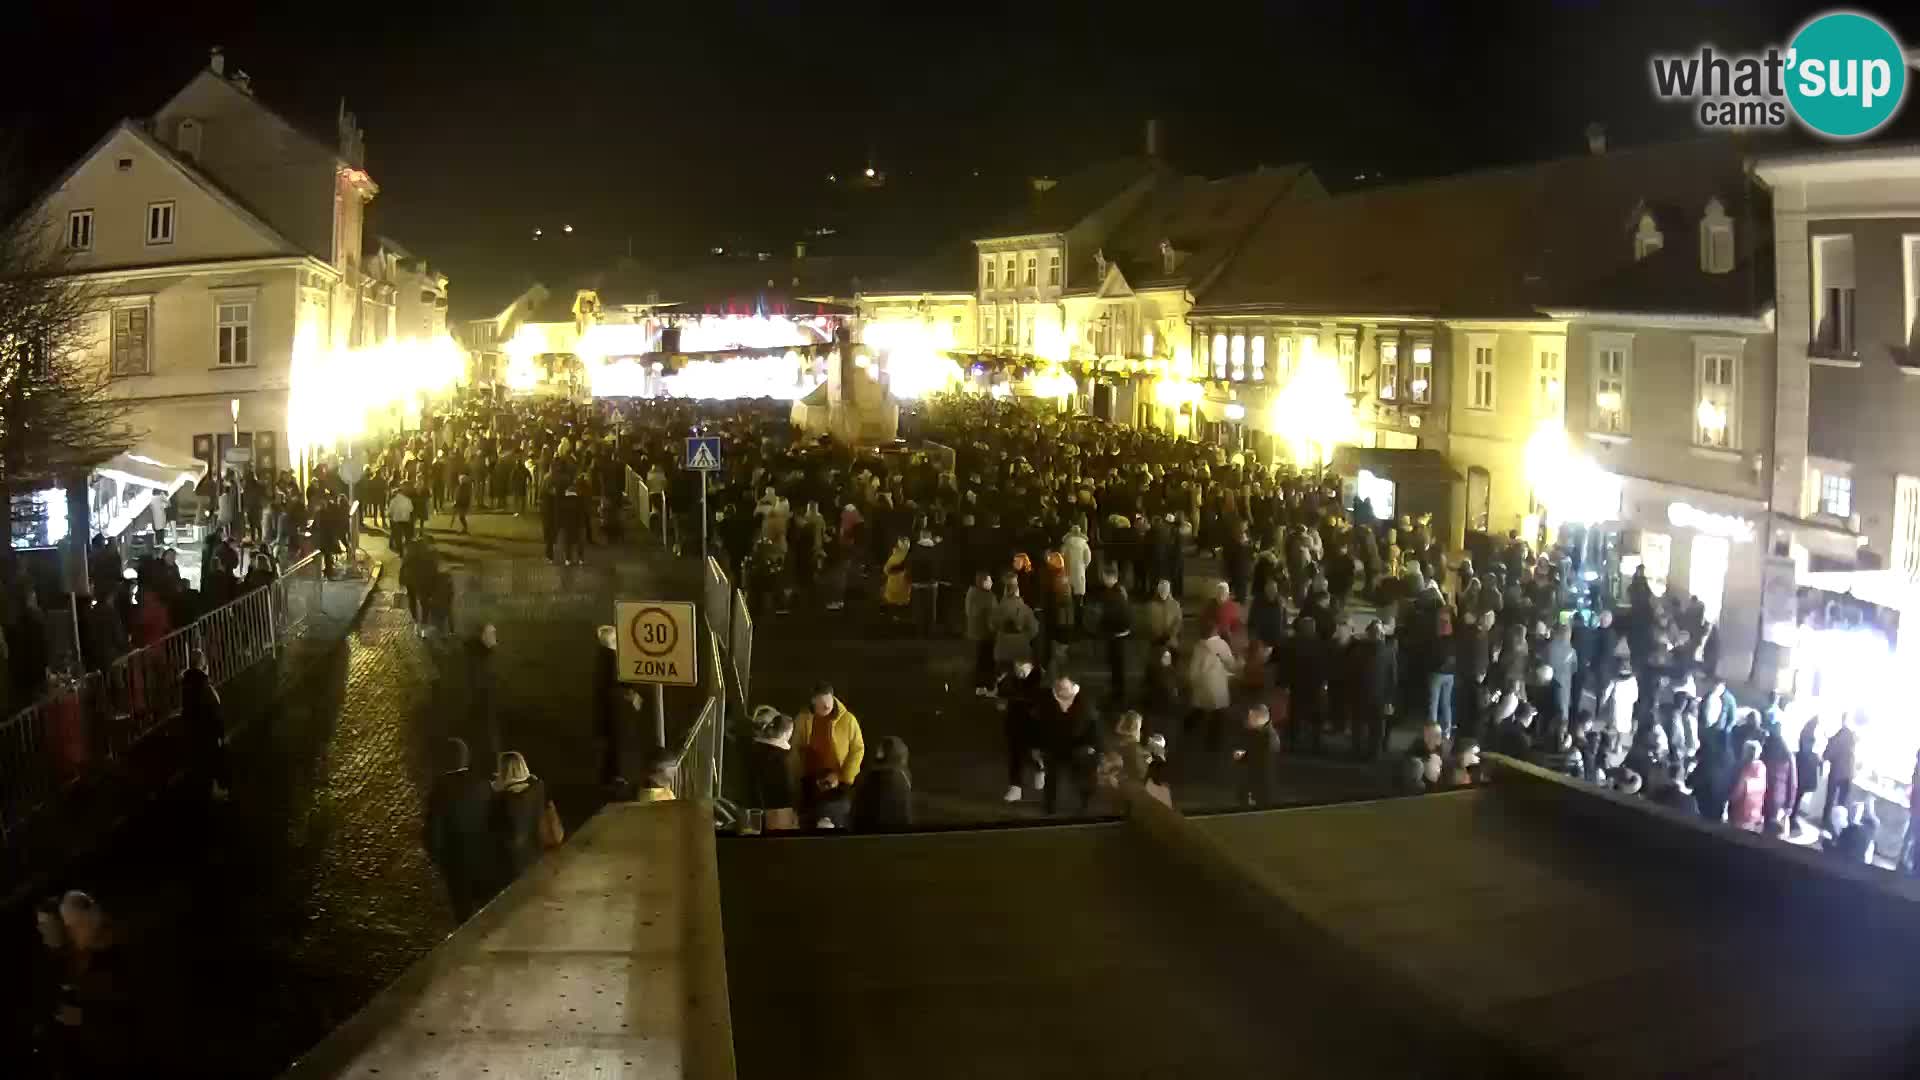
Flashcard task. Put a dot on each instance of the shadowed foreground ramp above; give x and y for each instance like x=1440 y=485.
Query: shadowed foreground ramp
x=1070 y=951
x=602 y=962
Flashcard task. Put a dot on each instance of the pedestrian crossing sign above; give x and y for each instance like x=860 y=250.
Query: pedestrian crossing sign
x=703 y=453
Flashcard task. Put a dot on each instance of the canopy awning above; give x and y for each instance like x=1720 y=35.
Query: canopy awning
x=140 y=468
x=1400 y=466
x=1889 y=589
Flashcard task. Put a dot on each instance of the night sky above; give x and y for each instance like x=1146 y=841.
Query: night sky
x=674 y=132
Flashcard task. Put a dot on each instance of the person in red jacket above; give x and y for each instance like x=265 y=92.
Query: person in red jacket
x=1746 y=809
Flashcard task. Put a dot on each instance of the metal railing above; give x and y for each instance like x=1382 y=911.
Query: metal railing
x=641 y=500
x=700 y=764
x=740 y=645
x=716 y=599
x=84 y=724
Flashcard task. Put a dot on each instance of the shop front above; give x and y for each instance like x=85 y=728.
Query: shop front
x=1692 y=542
x=1398 y=483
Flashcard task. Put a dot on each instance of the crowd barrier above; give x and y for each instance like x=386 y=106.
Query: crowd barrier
x=701 y=757
x=82 y=725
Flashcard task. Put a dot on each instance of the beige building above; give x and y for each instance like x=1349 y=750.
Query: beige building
x=1583 y=345
x=224 y=241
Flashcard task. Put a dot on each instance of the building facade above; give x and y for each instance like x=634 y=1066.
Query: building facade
x=225 y=245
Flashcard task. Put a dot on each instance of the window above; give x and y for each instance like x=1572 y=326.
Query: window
x=80 y=230
x=1549 y=379
x=1238 y=357
x=160 y=223
x=1656 y=554
x=1906 y=526
x=1707 y=559
x=1349 y=348
x=1283 y=355
x=1146 y=343
x=1026 y=330
x=1309 y=345
x=129 y=341
x=1611 y=359
x=1910 y=268
x=1033 y=270
x=1716 y=413
x=1420 y=389
x=1482 y=374
x=1053 y=268
x=1647 y=238
x=1716 y=239
x=1008 y=268
x=1389 y=369
x=987 y=335
x=1257 y=357
x=1836 y=494
x=986 y=275
x=236 y=324
x=1009 y=325
x=1219 y=353
x=1832 y=297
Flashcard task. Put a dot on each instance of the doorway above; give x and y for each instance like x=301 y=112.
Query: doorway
x=1479 y=498
x=1707 y=572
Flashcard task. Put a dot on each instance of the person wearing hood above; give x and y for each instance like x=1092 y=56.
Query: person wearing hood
x=883 y=796
x=832 y=749
x=458 y=836
x=770 y=770
x=519 y=808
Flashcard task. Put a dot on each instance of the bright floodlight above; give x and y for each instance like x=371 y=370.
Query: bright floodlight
x=566 y=228
x=869 y=172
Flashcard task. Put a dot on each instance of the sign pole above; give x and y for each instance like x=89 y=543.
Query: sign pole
x=703 y=516
x=660 y=714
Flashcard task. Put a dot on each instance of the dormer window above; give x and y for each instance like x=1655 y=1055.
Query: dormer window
x=1716 y=239
x=1647 y=238
x=1168 y=257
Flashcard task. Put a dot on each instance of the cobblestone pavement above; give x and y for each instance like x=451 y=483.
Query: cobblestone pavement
x=258 y=926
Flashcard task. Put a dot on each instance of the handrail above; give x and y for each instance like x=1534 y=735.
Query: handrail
x=82 y=722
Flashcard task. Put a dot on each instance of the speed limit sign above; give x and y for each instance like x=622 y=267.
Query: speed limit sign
x=657 y=642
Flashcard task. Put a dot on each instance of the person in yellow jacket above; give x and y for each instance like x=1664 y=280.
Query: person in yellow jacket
x=827 y=736
x=899 y=590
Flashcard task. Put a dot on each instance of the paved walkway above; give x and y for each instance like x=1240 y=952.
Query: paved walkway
x=258 y=926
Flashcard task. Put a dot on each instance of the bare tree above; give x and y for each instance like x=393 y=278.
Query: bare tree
x=58 y=415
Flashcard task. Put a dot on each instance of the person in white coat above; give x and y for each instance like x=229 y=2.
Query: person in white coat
x=1078 y=555
x=1210 y=672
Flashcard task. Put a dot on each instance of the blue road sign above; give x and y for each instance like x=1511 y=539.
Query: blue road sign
x=703 y=453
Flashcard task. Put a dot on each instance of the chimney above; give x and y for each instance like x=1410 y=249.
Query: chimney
x=186 y=139
x=243 y=82
x=1153 y=137
x=799 y=249
x=217 y=61
x=1596 y=138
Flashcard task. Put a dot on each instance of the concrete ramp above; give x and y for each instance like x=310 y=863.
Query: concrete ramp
x=602 y=962
x=1068 y=951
